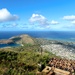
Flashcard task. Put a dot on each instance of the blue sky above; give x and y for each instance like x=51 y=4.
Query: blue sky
x=39 y=15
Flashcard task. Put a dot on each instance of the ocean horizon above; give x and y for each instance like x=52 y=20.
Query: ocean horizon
x=53 y=35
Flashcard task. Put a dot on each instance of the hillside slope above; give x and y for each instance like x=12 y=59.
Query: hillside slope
x=23 y=39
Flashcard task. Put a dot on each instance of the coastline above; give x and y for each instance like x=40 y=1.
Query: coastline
x=9 y=45
x=59 y=50
x=22 y=45
x=62 y=40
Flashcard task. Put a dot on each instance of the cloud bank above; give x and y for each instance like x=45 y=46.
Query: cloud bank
x=73 y=22
x=53 y=22
x=38 y=19
x=72 y=17
x=5 y=16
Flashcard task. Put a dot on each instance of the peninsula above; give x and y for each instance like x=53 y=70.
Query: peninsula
x=59 y=48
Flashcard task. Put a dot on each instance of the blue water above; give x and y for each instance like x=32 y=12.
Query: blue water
x=9 y=45
x=55 y=35
x=63 y=35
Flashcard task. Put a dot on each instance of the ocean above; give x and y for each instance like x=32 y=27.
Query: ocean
x=9 y=45
x=54 y=35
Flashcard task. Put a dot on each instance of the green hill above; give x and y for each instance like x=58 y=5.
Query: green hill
x=23 y=60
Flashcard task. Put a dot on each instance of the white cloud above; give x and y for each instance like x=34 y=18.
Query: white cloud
x=5 y=15
x=38 y=19
x=53 y=22
x=73 y=22
x=9 y=25
x=72 y=17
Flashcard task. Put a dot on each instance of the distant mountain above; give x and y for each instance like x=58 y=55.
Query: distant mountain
x=26 y=39
x=22 y=39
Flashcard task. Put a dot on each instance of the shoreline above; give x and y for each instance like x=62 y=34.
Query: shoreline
x=59 y=40
x=64 y=49
x=22 y=45
x=10 y=46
